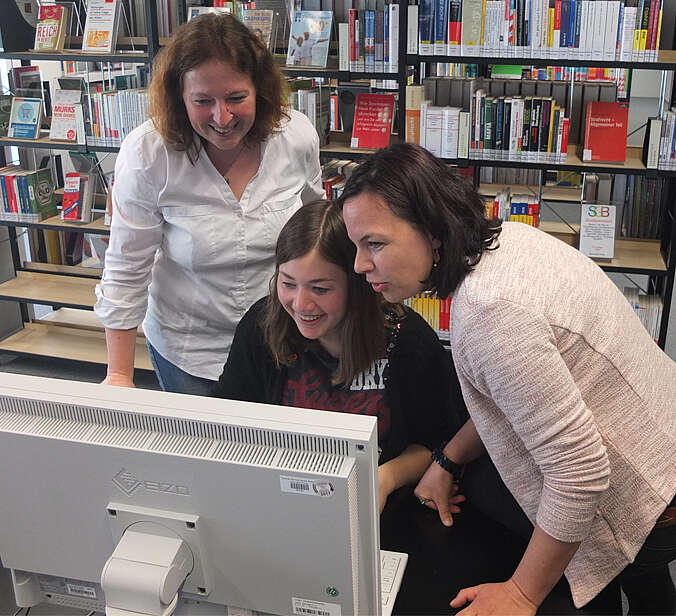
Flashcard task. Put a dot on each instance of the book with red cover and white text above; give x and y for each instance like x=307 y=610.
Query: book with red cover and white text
x=605 y=132
x=50 y=32
x=372 y=120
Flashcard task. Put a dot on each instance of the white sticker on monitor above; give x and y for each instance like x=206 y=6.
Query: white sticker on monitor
x=311 y=487
x=81 y=591
x=306 y=607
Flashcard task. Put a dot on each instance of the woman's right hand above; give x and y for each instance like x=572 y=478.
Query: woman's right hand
x=437 y=490
x=119 y=380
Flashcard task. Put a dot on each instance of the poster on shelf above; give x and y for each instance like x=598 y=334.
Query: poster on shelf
x=309 y=38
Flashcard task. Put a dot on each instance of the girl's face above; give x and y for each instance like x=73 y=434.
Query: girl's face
x=314 y=292
x=220 y=102
x=395 y=256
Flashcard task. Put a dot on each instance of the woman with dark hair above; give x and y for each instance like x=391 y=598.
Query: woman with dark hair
x=324 y=340
x=201 y=192
x=566 y=391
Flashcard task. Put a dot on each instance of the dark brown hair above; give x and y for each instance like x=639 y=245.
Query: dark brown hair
x=319 y=225
x=207 y=37
x=428 y=194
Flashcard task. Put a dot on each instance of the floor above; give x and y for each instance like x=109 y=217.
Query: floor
x=66 y=369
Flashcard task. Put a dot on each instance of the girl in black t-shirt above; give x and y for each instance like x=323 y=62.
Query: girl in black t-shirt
x=323 y=339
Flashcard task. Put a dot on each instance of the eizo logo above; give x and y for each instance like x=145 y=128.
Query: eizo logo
x=126 y=482
x=129 y=483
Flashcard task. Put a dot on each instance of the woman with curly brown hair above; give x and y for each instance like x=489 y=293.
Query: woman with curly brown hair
x=201 y=192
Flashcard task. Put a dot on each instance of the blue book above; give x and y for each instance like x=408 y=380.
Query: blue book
x=440 y=26
x=565 y=24
x=25 y=117
x=426 y=27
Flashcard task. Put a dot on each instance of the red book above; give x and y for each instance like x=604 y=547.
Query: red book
x=71 y=197
x=605 y=132
x=372 y=121
x=564 y=140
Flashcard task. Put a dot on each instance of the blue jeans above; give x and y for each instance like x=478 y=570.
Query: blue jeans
x=173 y=379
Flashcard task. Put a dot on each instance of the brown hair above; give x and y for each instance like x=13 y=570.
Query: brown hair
x=221 y=37
x=429 y=195
x=319 y=225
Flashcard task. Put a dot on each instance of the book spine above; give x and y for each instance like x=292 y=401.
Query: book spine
x=394 y=38
x=426 y=27
x=440 y=26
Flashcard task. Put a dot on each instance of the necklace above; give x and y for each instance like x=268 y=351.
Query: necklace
x=225 y=171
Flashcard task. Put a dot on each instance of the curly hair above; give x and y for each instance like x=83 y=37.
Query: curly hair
x=221 y=37
x=428 y=194
x=319 y=226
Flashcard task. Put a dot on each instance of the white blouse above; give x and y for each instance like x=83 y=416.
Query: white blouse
x=185 y=257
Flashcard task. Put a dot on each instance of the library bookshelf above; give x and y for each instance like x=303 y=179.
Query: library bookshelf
x=73 y=329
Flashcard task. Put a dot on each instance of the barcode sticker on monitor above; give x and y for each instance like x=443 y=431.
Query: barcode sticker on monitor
x=81 y=591
x=301 y=485
x=306 y=607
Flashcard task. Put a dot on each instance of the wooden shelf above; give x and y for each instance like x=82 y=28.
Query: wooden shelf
x=44 y=142
x=79 y=319
x=631 y=256
x=65 y=270
x=50 y=340
x=631 y=166
x=55 y=223
x=50 y=289
x=549 y=193
x=666 y=61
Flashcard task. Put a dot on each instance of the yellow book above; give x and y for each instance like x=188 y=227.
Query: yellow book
x=551 y=128
x=550 y=28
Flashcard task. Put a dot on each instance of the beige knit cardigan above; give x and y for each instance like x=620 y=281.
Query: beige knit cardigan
x=574 y=401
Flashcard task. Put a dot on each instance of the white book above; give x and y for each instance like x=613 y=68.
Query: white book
x=394 y=38
x=423 y=114
x=513 y=130
x=463 y=134
x=433 y=126
x=610 y=35
x=586 y=28
x=412 y=30
x=343 y=47
x=100 y=33
x=653 y=154
x=450 y=132
x=628 y=23
x=600 y=13
x=64 y=122
x=24 y=118
x=597 y=231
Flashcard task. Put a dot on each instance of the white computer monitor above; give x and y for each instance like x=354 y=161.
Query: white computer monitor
x=267 y=508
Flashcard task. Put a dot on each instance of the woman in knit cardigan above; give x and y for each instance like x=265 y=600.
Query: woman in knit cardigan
x=567 y=392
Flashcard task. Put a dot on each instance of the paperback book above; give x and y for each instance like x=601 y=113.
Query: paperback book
x=261 y=23
x=67 y=118
x=103 y=18
x=50 y=32
x=196 y=11
x=372 y=121
x=605 y=132
x=25 y=117
x=309 y=38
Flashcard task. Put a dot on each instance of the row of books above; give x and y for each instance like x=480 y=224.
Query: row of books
x=115 y=114
x=334 y=175
x=659 y=146
x=314 y=102
x=626 y=30
x=437 y=313
x=648 y=309
x=455 y=92
x=27 y=195
x=369 y=42
x=642 y=214
x=513 y=207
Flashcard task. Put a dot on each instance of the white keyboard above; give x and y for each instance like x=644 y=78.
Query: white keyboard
x=392 y=566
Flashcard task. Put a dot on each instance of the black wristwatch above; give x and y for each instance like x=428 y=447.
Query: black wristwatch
x=447 y=464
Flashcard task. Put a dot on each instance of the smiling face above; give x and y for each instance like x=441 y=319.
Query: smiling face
x=395 y=256
x=314 y=293
x=220 y=102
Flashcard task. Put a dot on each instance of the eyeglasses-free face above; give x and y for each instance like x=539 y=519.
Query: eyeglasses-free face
x=220 y=102
x=395 y=256
x=314 y=293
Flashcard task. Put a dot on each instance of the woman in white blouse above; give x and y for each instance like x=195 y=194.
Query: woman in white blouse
x=201 y=192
